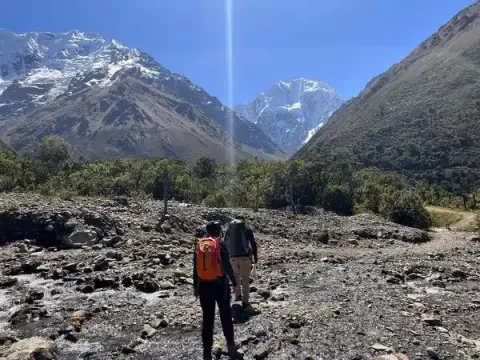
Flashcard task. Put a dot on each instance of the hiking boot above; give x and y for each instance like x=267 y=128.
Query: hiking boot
x=247 y=307
x=238 y=298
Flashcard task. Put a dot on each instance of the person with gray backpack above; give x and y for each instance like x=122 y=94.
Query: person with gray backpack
x=242 y=248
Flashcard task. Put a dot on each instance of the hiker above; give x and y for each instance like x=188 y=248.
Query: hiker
x=243 y=251
x=211 y=271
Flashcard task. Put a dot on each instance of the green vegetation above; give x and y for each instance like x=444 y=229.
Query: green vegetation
x=337 y=186
x=420 y=118
x=453 y=219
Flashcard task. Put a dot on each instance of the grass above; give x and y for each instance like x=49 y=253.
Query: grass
x=457 y=220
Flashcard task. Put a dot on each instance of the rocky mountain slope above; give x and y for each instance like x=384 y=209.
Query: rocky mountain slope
x=104 y=279
x=291 y=112
x=93 y=91
x=422 y=116
x=3 y=146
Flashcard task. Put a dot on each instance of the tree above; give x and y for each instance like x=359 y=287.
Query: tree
x=405 y=208
x=167 y=172
x=56 y=153
x=338 y=200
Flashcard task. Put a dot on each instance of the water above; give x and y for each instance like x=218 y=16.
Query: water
x=229 y=61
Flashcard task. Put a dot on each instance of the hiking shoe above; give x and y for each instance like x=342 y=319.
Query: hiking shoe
x=238 y=297
x=247 y=307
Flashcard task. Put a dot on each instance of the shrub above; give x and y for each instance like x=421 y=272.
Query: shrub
x=218 y=201
x=405 y=208
x=338 y=200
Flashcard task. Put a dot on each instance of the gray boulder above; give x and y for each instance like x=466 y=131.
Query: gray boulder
x=80 y=238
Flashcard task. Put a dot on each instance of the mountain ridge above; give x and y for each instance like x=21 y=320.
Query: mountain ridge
x=421 y=116
x=44 y=69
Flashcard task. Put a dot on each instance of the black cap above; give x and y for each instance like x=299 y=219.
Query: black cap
x=214 y=228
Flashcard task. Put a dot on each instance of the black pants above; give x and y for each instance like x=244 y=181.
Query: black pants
x=211 y=293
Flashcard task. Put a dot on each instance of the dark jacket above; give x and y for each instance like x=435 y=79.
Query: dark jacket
x=238 y=249
x=225 y=263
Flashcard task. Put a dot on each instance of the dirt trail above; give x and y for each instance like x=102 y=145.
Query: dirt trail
x=465 y=220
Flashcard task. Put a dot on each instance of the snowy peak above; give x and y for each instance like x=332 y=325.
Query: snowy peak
x=53 y=60
x=43 y=72
x=291 y=112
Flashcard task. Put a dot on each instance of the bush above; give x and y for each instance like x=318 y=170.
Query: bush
x=338 y=200
x=405 y=208
x=218 y=201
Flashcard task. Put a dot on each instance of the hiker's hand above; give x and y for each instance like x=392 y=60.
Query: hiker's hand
x=254 y=260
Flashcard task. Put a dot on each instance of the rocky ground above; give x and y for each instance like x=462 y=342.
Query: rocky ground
x=108 y=279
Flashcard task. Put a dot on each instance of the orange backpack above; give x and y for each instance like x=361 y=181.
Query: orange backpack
x=208 y=259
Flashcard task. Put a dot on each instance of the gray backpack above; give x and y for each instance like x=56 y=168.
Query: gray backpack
x=236 y=242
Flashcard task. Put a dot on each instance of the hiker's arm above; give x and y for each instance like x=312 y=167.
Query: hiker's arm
x=250 y=237
x=226 y=265
x=195 y=276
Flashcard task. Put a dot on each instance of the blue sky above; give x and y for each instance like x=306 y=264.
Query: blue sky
x=342 y=42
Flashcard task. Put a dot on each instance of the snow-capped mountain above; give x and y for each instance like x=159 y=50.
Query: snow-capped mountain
x=291 y=112
x=45 y=73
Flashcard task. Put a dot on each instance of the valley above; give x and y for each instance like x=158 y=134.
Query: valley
x=373 y=289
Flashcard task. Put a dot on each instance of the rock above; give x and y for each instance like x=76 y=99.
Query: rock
x=393 y=280
x=474 y=238
x=147 y=286
x=155 y=323
x=121 y=200
x=23 y=249
x=127 y=281
x=321 y=237
x=379 y=347
x=432 y=321
x=474 y=343
x=166 y=285
x=72 y=267
x=80 y=238
x=88 y=289
x=34 y=295
x=31 y=348
x=114 y=255
x=146 y=227
x=442 y=329
x=54 y=292
x=76 y=318
x=6 y=282
x=458 y=273
x=163 y=294
x=433 y=354
x=148 y=331
x=265 y=293
x=262 y=353
x=105 y=282
x=30 y=267
x=18 y=314
x=353 y=241
x=385 y=357
x=73 y=337
x=43 y=269
x=127 y=350
x=101 y=264
x=113 y=241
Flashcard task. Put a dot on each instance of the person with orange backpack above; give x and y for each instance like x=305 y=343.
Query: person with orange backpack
x=211 y=272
